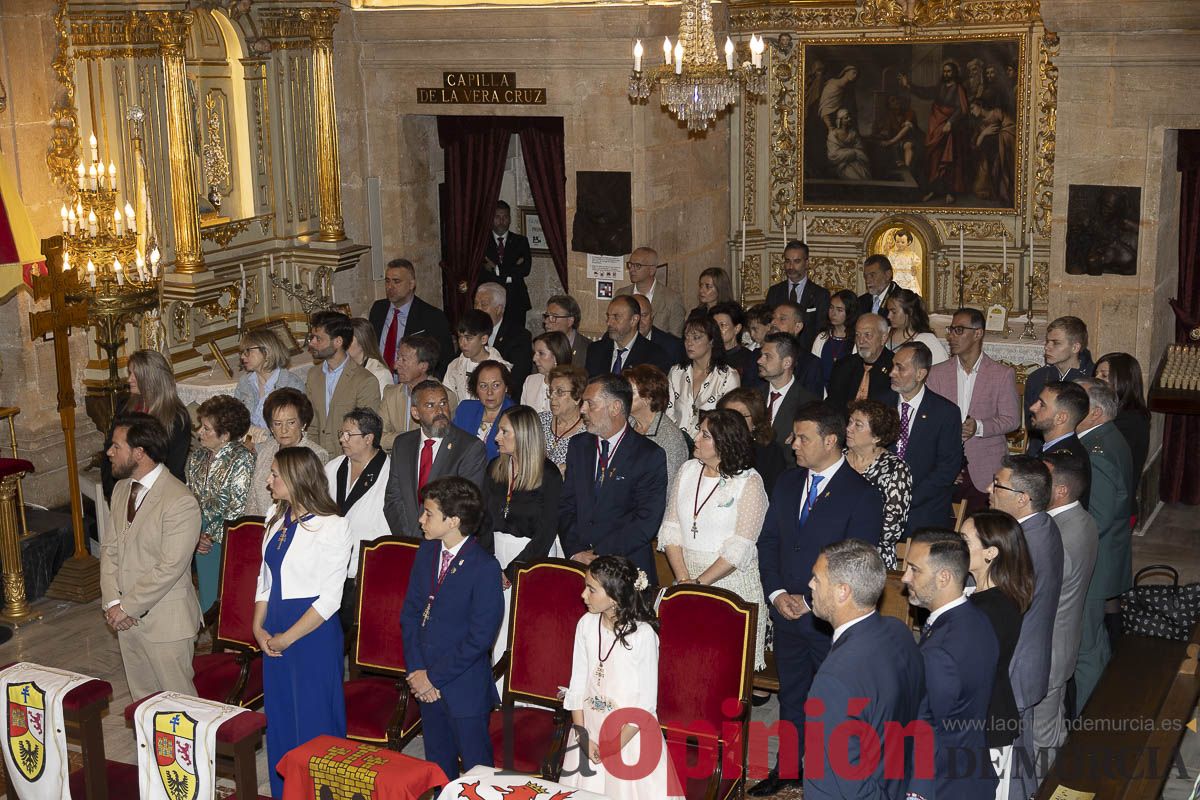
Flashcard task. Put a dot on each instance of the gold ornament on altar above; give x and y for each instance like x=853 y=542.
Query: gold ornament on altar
x=693 y=83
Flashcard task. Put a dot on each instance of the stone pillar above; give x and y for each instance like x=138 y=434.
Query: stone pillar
x=329 y=179
x=171 y=31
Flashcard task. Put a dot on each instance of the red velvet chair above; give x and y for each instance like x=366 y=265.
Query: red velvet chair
x=705 y=665
x=546 y=606
x=238 y=740
x=232 y=672
x=379 y=709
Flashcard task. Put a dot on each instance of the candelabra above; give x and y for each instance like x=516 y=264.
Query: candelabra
x=103 y=255
x=693 y=84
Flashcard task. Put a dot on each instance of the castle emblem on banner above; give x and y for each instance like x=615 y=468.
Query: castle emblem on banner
x=175 y=750
x=27 y=728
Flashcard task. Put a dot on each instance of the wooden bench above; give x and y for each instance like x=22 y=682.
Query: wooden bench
x=1152 y=682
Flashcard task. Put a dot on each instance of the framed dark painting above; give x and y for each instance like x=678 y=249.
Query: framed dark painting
x=1102 y=229
x=929 y=124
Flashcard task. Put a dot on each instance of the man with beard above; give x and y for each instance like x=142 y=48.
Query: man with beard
x=339 y=385
x=145 y=561
x=436 y=450
x=945 y=145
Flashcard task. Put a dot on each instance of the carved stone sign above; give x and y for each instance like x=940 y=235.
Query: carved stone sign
x=481 y=88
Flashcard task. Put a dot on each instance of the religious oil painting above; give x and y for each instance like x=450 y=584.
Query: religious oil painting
x=1102 y=229
x=914 y=124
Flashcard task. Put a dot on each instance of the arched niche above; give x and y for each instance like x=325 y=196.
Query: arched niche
x=910 y=243
x=216 y=79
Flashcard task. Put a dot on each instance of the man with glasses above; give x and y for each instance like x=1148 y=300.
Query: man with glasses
x=986 y=394
x=643 y=266
x=623 y=346
x=562 y=316
x=798 y=288
x=1022 y=488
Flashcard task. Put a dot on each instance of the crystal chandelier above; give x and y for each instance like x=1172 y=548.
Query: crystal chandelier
x=693 y=83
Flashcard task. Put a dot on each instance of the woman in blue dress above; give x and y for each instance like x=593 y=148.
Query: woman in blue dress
x=306 y=549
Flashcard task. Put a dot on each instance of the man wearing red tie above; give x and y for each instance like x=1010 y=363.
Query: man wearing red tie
x=506 y=261
x=402 y=314
x=435 y=450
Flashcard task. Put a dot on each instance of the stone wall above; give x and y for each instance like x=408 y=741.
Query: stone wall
x=582 y=58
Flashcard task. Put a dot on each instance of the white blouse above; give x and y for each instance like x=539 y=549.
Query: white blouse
x=686 y=402
x=315 y=564
x=729 y=522
x=365 y=520
x=533 y=393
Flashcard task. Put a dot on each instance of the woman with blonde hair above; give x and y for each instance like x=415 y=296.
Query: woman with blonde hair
x=521 y=490
x=152 y=391
x=364 y=349
x=306 y=549
x=264 y=359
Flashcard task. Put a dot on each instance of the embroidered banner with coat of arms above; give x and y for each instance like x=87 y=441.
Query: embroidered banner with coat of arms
x=177 y=737
x=35 y=747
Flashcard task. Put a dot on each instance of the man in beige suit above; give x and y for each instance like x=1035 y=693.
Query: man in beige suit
x=669 y=310
x=145 y=561
x=416 y=359
x=338 y=385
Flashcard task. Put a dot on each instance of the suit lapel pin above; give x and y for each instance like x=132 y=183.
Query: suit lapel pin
x=449 y=445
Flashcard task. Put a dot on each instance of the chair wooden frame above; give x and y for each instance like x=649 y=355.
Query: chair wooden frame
x=750 y=612
x=396 y=737
x=551 y=767
x=247 y=651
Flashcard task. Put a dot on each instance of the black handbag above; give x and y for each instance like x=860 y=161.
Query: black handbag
x=1164 y=610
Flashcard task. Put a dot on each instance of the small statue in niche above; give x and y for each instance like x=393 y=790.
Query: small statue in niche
x=214 y=198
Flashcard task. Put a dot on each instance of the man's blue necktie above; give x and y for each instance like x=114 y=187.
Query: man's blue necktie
x=620 y=362
x=806 y=509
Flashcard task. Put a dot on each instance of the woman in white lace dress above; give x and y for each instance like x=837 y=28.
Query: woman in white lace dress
x=710 y=530
x=699 y=382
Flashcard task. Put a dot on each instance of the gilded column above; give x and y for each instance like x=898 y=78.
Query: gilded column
x=171 y=31
x=329 y=179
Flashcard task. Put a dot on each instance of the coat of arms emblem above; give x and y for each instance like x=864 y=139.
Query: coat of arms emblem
x=175 y=751
x=27 y=729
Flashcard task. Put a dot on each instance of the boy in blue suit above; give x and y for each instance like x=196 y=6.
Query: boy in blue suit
x=449 y=622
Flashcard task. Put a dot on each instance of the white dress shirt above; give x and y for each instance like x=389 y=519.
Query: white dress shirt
x=825 y=474
x=966 y=390
x=398 y=314
x=913 y=405
x=845 y=626
x=933 y=615
x=1054 y=512
x=146 y=481
x=783 y=392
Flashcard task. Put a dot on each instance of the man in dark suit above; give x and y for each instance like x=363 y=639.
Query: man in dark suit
x=506 y=261
x=672 y=345
x=877 y=274
x=615 y=492
x=509 y=337
x=930 y=439
x=436 y=450
x=1067 y=358
x=1069 y=478
x=1022 y=488
x=402 y=314
x=812 y=298
x=1059 y=407
x=563 y=315
x=960 y=650
x=867 y=373
x=1112 y=503
x=783 y=392
x=822 y=502
x=623 y=346
x=847 y=582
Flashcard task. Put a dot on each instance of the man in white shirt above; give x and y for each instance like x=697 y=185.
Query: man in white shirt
x=145 y=561
x=643 y=268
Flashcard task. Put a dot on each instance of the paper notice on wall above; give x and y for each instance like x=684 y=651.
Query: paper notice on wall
x=605 y=268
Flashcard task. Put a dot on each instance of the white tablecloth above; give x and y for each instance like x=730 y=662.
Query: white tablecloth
x=488 y=783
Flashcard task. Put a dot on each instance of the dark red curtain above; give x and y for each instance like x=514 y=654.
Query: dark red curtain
x=1180 y=481
x=545 y=165
x=475 y=150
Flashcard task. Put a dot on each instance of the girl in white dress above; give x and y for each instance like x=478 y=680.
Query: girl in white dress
x=704 y=377
x=614 y=667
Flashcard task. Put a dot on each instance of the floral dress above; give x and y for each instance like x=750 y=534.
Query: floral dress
x=891 y=476
x=687 y=401
x=221 y=483
x=556 y=446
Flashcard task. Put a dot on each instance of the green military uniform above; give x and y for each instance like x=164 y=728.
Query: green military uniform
x=1111 y=504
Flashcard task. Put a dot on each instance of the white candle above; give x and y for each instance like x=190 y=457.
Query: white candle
x=1004 y=248
x=93 y=228
x=118 y=223
x=95 y=150
x=960 y=248
x=82 y=173
x=679 y=58
x=272 y=263
x=154 y=256
x=241 y=295
x=63 y=213
x=804 y=237
x=756 y=50
x=130 y=219
x=72 y=220
x=112 y=175
x=729 y=54
x=667 y=49
x=91 y=271
x=743 y=261
x=637 y=56
x=66 y=261
x=141 y=267
x=117 y=272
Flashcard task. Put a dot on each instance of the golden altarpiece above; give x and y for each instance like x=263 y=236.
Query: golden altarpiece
x=231 y=105
x=777 y=194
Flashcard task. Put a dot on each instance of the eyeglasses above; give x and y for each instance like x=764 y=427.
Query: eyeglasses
x=1005 y=488
x=281 y=424
x=636 y=265
x=959 y=330
x=548 y=315
x=348 y=434
x=558 y=392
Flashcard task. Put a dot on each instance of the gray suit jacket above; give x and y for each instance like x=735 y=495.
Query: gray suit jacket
x=461 y=454
x=147 y=565
x=1029 y=670
x=669 y=311
x=1080 y=540
x=357 y=387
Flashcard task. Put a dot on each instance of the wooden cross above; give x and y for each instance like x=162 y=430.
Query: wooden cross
x=79 y=578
